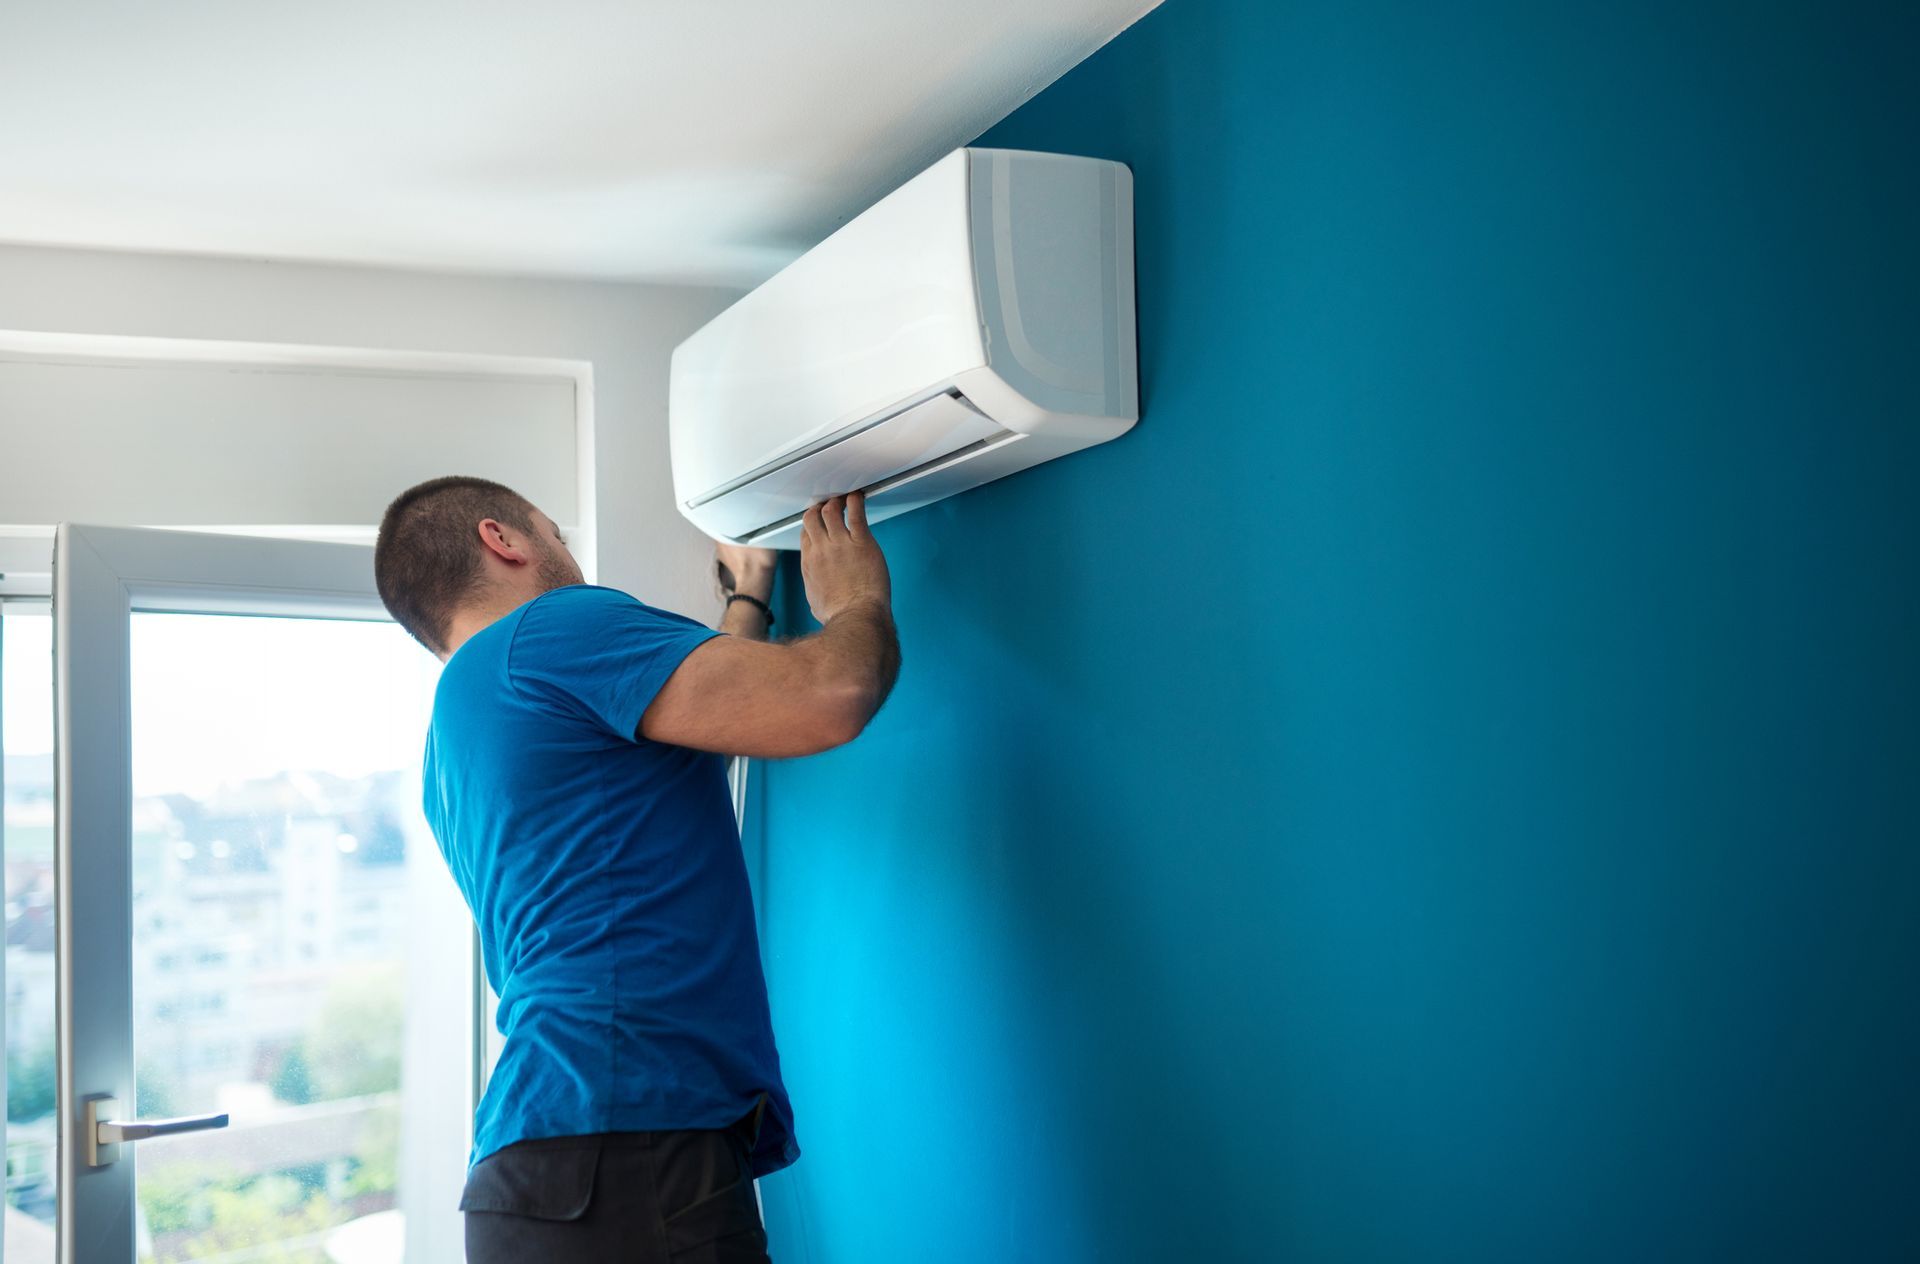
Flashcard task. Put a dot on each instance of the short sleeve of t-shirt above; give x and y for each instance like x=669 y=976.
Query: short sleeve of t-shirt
x=600 y=653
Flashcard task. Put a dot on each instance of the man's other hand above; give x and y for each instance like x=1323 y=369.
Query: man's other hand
x=839 y=561
x=745 y=570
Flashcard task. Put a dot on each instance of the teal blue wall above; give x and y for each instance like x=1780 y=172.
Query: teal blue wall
x=1444 y=786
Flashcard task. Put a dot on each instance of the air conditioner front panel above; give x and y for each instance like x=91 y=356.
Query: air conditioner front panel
x=874 y=453
x=987 y=300
x=881 y=311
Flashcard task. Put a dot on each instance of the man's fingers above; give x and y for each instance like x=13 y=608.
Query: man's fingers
x=833 y=517
x=857 y=515
x=836 y=518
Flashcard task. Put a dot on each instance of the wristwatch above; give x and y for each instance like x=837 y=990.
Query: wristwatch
x=763 y=607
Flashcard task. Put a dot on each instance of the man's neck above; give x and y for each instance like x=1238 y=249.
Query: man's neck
x=473 y=617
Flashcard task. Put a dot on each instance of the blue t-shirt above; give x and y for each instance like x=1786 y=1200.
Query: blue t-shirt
x=604 y=872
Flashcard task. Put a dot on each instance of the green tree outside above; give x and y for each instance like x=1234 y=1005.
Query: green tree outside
x=353 y=1047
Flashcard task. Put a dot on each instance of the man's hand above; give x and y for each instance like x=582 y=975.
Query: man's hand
x=750 y=572
x=744 y=569
x=839 y=561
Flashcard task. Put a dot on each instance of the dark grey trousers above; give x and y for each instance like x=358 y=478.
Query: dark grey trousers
x=669 y=1197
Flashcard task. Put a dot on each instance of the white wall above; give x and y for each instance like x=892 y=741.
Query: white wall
x=625 y=332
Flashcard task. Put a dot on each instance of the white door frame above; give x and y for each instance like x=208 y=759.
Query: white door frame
x=100 y=576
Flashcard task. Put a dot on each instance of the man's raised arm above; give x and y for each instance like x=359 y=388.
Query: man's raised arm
x=740 y=696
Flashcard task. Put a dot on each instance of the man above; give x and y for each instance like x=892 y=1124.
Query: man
x=575 y=783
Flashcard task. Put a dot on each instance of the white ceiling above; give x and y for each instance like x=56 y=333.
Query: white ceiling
x=684 y=140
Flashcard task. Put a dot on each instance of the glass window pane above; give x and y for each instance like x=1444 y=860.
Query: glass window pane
x=26 y=831
x=283 y=880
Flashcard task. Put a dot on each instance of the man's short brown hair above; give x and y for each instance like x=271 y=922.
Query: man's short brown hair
x=427 y=560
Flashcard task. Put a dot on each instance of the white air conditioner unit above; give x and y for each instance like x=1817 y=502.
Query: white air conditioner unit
x=974 y=322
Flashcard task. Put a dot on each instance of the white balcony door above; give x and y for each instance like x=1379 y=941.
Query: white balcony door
x=253 y=922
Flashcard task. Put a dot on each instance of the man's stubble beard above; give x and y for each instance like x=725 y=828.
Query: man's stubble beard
x=557 y=571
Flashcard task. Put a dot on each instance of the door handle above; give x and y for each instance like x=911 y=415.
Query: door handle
x=105 y=1135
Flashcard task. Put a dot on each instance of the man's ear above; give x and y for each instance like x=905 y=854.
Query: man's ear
x=505 y=543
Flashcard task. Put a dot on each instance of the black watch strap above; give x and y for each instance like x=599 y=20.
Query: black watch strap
x=763 y=607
